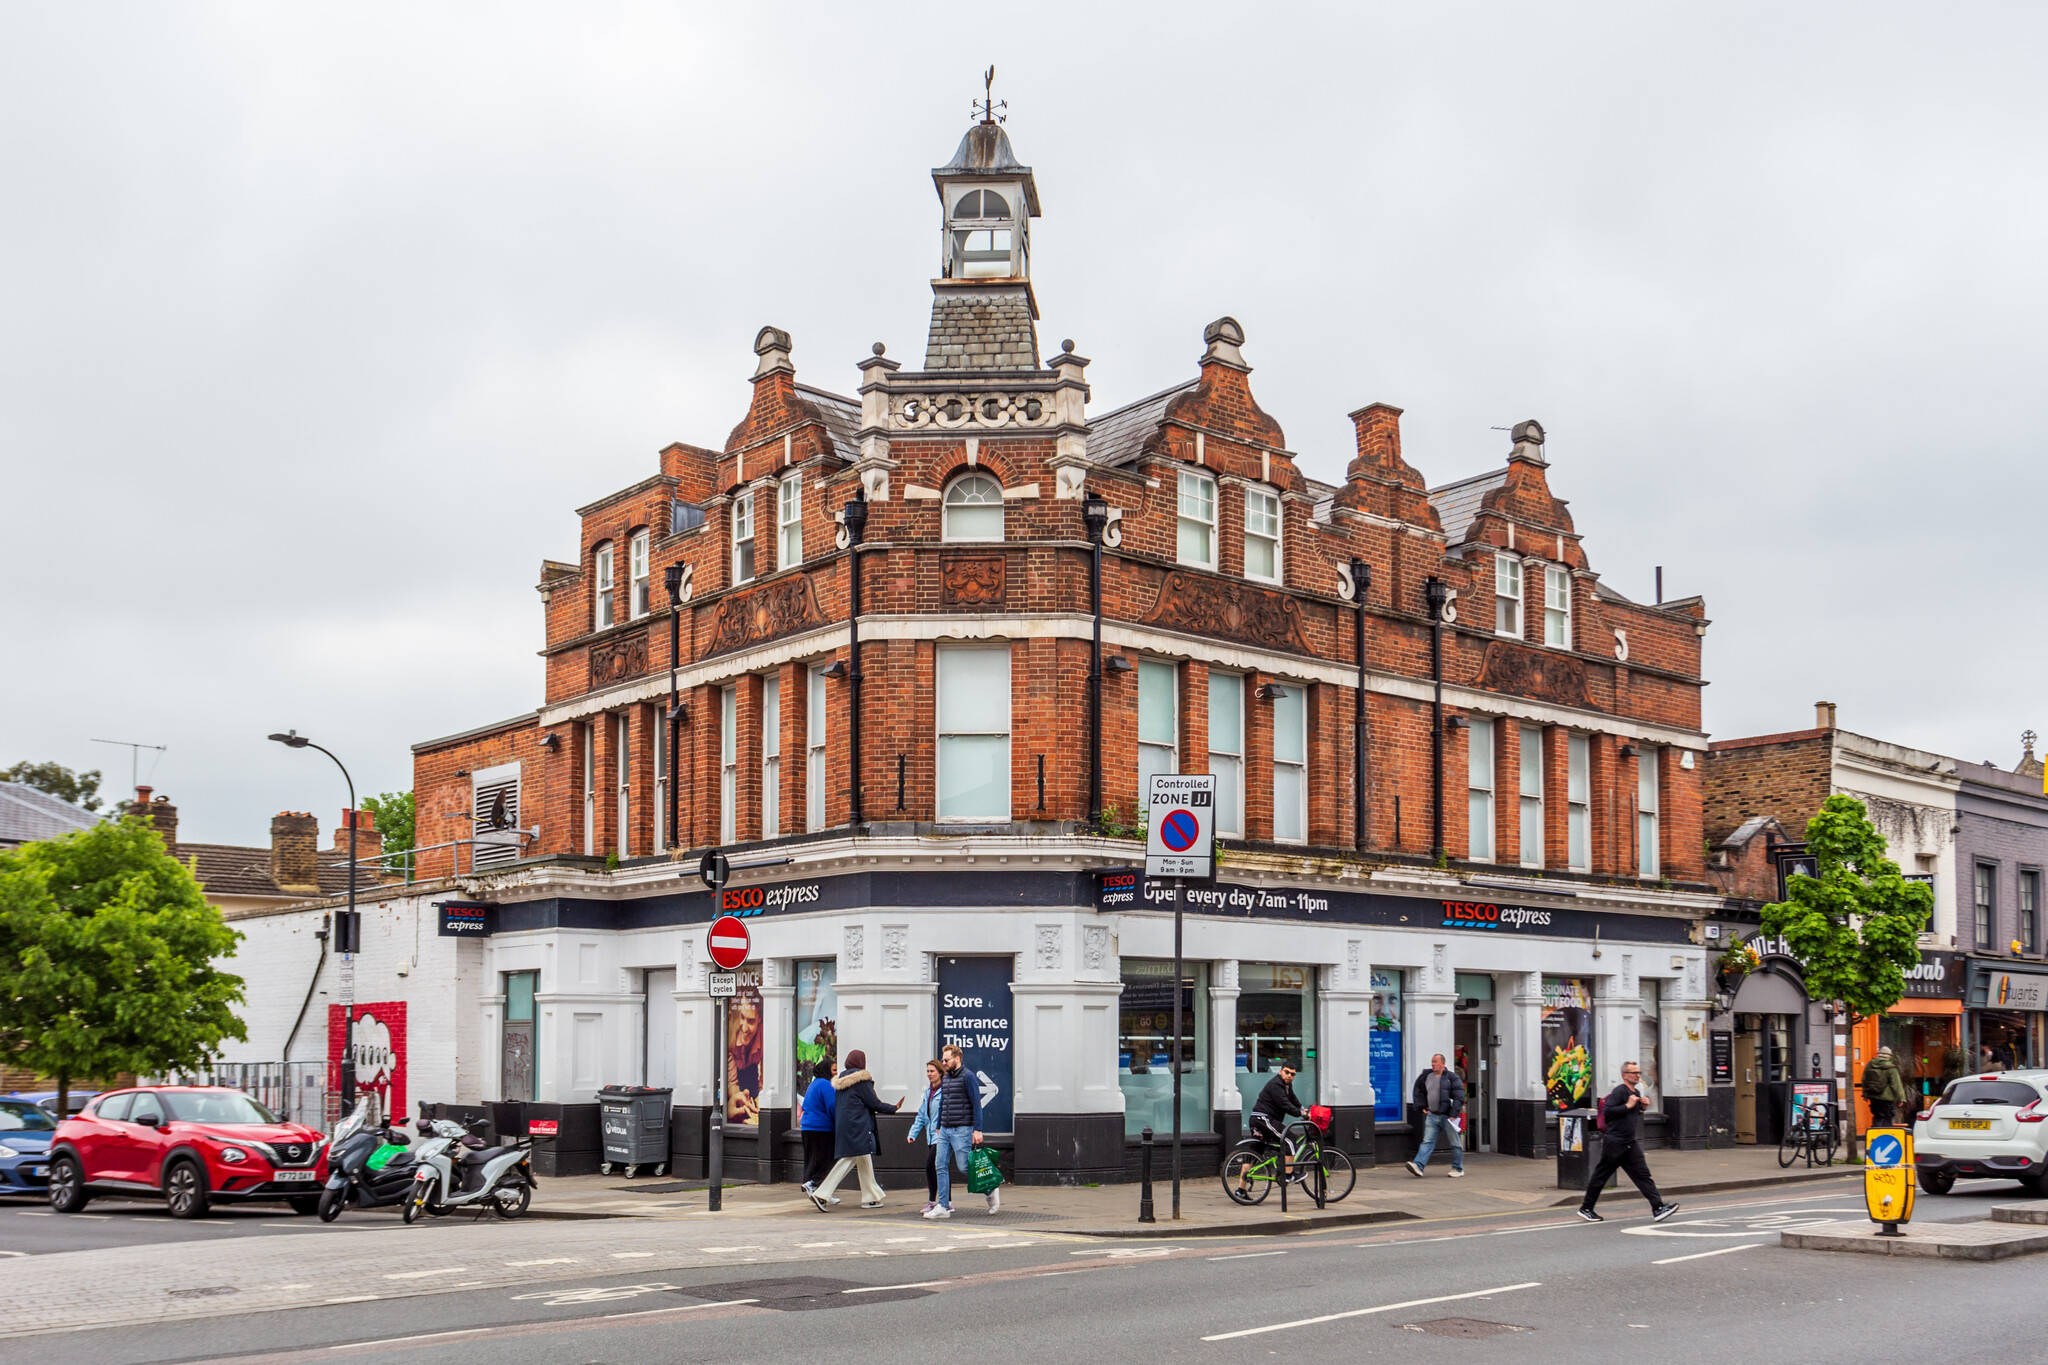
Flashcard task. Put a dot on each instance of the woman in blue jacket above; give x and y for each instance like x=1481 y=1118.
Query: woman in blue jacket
x=927 y=1122
x=820 y=1100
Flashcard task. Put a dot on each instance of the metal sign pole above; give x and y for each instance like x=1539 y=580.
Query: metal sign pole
x=1179 y=895
x=714 y=1162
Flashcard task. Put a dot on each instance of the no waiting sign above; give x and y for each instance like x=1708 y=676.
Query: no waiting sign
x=1180 y=836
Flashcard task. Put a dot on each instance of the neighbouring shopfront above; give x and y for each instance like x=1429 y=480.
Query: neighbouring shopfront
x=1145 y=1046
x=2004 y=1016
x=1924 y=1030
x=1766 y=1037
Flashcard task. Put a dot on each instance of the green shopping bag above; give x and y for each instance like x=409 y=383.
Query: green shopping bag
x=983 y=1176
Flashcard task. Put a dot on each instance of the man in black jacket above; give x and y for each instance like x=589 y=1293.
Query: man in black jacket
x=1440 y=1095
x=1622 y=1148
x=1270 y=1111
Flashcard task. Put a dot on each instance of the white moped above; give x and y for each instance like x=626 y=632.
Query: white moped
x=456 y=1170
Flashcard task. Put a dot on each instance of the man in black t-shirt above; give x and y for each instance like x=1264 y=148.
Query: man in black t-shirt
x=1621 y=1148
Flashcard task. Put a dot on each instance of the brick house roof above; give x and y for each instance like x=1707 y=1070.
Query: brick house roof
x=232 y=870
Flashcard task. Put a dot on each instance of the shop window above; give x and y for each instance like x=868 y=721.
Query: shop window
x=771 y=756
x=518 y=1038
x=1195 y=533
x=1646 y=812
x=974 y=734
x=1144 y=1047
x=1557 y=607
x=639 y=575
x=1276 y=1022
x=1385 y=1059
x=789 y=519
x=743 y=538
x=2030 y=915
x=817 y=1019
x=1650 y=1050
x=1985 y=903
x=1479 y=791
x=973 y=509
x=1578 y=803
x=1507 y=596
x=1927 y=1048
x=1226 y=751
x=1290 y=765
x=1262 y=535
x=814 y=744
x=622 y=750
x=1532 y=795
x=728 y=765
x=1567 y=1041
x=605 y=610
x=1158 y=722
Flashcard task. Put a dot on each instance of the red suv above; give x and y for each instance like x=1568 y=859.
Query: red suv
x=194 y=1145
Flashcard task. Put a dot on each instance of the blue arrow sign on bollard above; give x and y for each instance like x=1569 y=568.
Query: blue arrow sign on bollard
x=1886 y=1151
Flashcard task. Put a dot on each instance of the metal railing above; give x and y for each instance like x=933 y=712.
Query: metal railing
x=297 y=1092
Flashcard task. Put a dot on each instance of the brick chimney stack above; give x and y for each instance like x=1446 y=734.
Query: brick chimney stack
x=1824 y=715
x=295 y=852
x=369 y=839
x=160 y=814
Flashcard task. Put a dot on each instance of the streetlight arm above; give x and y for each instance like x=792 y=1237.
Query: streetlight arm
x=344 y=777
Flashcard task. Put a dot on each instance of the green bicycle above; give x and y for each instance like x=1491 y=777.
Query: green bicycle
x=1253 y=1167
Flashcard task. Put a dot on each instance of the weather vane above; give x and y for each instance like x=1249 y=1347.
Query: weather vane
x=2027 y=737
x=987 y=106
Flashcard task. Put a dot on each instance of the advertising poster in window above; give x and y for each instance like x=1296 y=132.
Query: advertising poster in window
x=743 y=1049
x=1385 y=1047
x=974 y=1015
x=1567 y=1041
x=817 y=1018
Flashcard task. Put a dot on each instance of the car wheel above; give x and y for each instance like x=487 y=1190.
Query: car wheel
x=303 y=1204
x=185 y=1190
x=1937 y=1182
x=2036 y=1186
x=330 y=1205
x=67 y=1186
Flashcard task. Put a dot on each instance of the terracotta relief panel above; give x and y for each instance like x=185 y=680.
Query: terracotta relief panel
x=1234 y=611
x=765 y=613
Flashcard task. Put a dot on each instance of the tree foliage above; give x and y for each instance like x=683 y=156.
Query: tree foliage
x=1855 y=927
x=397 y=818
x=80 y=789
x=107 y=951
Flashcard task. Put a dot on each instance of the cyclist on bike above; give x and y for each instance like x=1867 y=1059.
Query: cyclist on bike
x=1270 y=1112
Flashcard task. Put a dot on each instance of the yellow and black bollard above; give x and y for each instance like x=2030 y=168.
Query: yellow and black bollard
x=1888 y=1178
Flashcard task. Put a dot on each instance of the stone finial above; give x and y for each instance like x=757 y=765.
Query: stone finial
x=773 y=345
x=1223 y=337
x=1528 y=439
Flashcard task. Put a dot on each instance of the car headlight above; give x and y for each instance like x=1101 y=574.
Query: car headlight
x=5 y=1150
x=233 y=1155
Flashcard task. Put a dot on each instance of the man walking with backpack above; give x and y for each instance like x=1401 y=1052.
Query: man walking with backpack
x=1440 y=1095
x=1621 y=1123
x=959 y=1128
x=1884 y=1087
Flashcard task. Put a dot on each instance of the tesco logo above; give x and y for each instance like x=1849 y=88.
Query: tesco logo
x=1486 y=915
x=752 y=900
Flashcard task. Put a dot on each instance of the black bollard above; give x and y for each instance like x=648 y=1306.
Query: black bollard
x=1145 y=1177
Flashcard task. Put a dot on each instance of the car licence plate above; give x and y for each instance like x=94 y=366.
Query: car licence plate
x=291 y=1175
x=1975 y=1124
x=35 y=1172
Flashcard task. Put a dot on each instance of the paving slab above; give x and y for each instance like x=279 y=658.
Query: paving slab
x=1976 y=1241
x=2028 y=1211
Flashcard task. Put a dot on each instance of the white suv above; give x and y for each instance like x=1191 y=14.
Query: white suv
x=1993 y=1125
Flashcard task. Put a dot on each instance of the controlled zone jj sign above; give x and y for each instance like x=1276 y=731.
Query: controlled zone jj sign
x=1180 y=833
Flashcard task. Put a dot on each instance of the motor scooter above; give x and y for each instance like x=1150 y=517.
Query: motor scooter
x=367 y=1167
x=453 y=1170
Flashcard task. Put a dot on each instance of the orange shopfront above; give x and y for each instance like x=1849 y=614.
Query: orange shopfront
x=1924 y=1031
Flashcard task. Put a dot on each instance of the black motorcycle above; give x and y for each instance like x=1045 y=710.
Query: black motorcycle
x=362 y=1170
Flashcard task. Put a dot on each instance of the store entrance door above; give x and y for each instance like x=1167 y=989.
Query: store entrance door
x=1745 y=1087
x=1474 y=1039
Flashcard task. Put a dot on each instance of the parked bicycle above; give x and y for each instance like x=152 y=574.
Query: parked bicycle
x=1815 y=1133
x=1254 y=1166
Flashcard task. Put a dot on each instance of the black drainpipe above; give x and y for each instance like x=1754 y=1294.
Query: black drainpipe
x=1436 y=595
x=856 y=515
x=1361 y=579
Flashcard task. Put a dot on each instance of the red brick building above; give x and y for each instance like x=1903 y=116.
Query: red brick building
x=1254 y=622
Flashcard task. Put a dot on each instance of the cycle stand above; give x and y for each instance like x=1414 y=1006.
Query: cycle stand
x=1319 y=1186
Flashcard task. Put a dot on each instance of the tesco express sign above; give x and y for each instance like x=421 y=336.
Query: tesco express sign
x=1487 y=915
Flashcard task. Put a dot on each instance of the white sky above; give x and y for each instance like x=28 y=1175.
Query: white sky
x=317 y=323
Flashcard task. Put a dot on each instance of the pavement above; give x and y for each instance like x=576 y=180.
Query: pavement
x=2012 y=1230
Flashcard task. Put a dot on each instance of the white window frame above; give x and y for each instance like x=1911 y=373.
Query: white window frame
x=1557 y=607
x=728 y=764
x=1647 y=764
x=745 y=564
x=1533 y=834
x=622 y=747
x=1264 y=505
x=604 y=612
x=1479 y=782
x=1228 y=764
x=658 y=738
x=1163 y=757
x=590 y=788
x=1507 y=596
x=954 y=496
x=1195 y=513
x=1290 y=771
x=640 y=576
x=771 y=756
x=789 y=519
x=814 y=742
x=947 y=729
x=1579 y=803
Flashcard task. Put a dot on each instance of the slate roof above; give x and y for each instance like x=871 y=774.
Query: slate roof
x=841 y=416
x=27 y=814
x=232 y=870
x=1117 y=437
x=1458 y=503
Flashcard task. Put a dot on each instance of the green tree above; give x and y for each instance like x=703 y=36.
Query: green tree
x=80 y=789
x=397 y=817
x=107 y=952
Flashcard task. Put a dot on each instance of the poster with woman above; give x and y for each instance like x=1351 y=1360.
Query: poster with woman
x=1567 y=1041
x=817 y=1018
x=743 y=1050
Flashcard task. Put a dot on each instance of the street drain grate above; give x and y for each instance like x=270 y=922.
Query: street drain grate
x=800 y=1294
x=1467 y=1328
x=210 y=1291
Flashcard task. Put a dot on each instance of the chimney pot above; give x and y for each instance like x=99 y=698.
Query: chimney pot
x=1824 y=715
x=142 y=794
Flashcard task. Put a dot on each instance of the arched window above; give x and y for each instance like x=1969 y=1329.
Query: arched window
x=973 y=509
x=982 y=204
x=981 y=227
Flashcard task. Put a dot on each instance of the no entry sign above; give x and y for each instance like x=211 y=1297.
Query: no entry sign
x=1180 y=835
x=730 y=943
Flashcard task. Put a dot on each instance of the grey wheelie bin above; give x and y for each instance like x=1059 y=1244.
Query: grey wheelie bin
x=633 y=1120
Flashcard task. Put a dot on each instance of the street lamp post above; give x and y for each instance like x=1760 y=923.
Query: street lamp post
x=348 y=937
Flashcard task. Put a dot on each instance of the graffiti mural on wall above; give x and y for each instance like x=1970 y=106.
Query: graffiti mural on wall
x=379 y=1047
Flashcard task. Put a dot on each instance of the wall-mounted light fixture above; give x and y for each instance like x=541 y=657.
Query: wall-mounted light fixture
x=836 y=669
x=1457 y=723
x=1116 y=663
x=1268 y=692
x=1627 y=751
x=679 y=713
x=551 y=742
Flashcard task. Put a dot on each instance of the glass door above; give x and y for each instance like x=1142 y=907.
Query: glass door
x=519 y=1043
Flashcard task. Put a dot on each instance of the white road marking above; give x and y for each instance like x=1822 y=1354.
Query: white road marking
x=354 y=1298
x=902 y=1239
x=1719 y=1251
x=596 y=1293
x=1365 y=1312
x=295 y=1286
x=13 y=1253
x=682 y=1308
x=552 y=1260
x=629 y=1255
x=423 y=1274
x=38 y=1213
x=1742 y=1225
x=806 y=1246
x=878 y=1288
x=713 y=1251
x=423 y=1336
x=1247 y=1256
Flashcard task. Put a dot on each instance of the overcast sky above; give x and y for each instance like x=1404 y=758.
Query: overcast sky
x=316 y=324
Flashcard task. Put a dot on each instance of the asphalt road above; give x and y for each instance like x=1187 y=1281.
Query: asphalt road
x=1710 y=1285
x=29 y=1228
